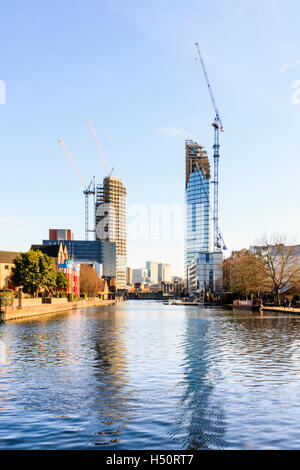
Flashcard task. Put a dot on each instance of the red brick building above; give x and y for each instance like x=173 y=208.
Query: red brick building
x=60 y=234
x=60 y=256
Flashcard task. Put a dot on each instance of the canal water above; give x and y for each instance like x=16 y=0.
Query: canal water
x=143 y=375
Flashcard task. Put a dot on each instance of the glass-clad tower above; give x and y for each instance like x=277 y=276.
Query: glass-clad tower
x=197 y=199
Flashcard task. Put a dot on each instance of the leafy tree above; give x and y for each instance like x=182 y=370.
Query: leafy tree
x=62 y=281
x=34 y=271
x=49 y=274
x=89 y=280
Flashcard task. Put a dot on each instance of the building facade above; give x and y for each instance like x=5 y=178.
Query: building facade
x=101 y=252
x=197 y=199
x=128 y=276
x=72 y=270
x=164 y=272
x=152 y=268
x=60 y=234
x=111 y=222
x=139 y=276
x=202 y=270
x=205 y=273
x=154 y=273
x=6 y=264
x=62 y=262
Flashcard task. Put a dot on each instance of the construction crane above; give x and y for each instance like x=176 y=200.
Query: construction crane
x=88 y=190
x=99 y=150
x=218 y=126
x=210 y=208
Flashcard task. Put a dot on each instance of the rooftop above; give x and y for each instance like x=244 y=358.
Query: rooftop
x=8 y=256
x=50 y=250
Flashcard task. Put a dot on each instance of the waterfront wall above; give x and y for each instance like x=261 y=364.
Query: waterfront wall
x=149 y=296
x=34 y=307
x=37 y=301
x=281 y=309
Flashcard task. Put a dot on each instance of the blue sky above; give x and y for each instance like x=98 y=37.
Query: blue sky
x=129 y=66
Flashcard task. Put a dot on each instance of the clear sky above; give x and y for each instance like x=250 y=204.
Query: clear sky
x=129 y=66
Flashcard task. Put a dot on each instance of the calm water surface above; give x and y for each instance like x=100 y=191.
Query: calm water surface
x=142 y=375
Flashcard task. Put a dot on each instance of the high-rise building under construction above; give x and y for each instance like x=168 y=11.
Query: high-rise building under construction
x=202 y=267
x=197 y=188
x=111 y=222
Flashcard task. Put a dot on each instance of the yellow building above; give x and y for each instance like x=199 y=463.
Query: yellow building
x=6 y=264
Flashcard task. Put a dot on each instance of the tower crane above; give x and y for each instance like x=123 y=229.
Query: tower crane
x=88 y=190
x=99 y=150
x=218 y=126
x=210 y=208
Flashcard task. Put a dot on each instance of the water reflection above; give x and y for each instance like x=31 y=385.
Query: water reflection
x=68 y=372
x=144 y=375
x=202 y=419
x=258 y=379
x=113 y=394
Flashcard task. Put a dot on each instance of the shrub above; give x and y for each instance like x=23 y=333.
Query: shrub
x=6 y=297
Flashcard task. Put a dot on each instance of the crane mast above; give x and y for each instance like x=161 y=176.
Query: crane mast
x=88 y=190
x=218 y=126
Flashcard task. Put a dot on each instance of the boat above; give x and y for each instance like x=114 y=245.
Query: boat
x=254 y=305
x=179 y=302
x=169 y=302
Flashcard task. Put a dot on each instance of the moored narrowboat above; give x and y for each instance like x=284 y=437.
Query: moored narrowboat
x=254 y=305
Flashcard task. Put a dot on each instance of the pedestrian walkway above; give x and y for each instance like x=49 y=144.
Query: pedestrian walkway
x=282 y=309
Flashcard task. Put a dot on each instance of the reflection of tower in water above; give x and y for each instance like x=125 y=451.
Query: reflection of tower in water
x=110 y=369
x=201 y=416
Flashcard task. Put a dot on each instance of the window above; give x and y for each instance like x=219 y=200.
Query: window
x=6 y=266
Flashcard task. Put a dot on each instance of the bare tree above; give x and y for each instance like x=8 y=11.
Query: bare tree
x=281 y=263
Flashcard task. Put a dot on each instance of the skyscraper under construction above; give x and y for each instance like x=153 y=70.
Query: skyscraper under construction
x=202 y=267
x=111 y=222
x=197 y=187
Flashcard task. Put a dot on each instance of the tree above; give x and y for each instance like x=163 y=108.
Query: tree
x=34 y=271
x=89 y=280
x=280 y=261
x=49 y=274
x=244 y=273
x=62 y=281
